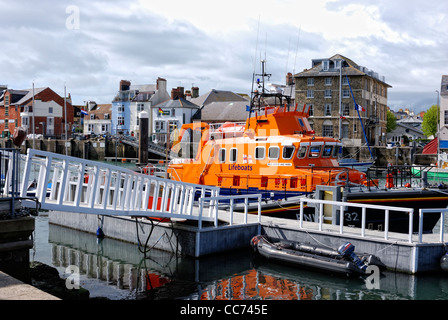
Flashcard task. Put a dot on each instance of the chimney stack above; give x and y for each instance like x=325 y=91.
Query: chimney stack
x=194 y=92
x=177 y=93
x=289 y=79
x=125 y=85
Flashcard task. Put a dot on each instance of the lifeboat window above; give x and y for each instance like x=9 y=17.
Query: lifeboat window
x=274 y=153
x=260 y=153
x=315 y=151
x=302 y=152
x=222 y=155
x=233 y=155
x=335 y=151
x=327 y=151
x=288 y=151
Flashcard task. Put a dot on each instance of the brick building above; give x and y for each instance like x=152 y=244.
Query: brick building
x=325 y=89
x=16 y=109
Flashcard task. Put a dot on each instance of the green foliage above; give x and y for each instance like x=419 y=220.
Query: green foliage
x=391 y=121
x=430 y=121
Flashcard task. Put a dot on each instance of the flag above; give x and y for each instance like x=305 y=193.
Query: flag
x=84 y=112
x=342 y=117
x=160 y=110
x=359 y=108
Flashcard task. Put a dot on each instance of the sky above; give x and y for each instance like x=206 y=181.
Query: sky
x=88 y=46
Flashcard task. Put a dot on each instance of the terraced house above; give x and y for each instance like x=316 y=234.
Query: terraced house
x=325 y=88
x=16 y=109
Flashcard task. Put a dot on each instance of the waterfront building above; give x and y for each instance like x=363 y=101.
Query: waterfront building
x=99 y=118
x=16 y=110
x=325 y=89
x=171 y=115
x=218 y=106
x=133 y=99
x=443 y=103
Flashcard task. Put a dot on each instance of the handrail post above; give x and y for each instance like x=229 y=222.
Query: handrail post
x=341 y=219
x=411 y=224
x=363 y=222
x=386 y=225
x=321 y=215
x=442 y=223
x=301 y=213
x=246 y=204
x=231 y=211
x=420 y=225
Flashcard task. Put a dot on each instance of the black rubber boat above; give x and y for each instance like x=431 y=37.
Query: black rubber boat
x=342 y=261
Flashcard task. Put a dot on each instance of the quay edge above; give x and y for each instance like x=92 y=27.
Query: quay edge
x=187 y=239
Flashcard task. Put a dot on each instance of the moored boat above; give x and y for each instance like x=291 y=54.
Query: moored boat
x=339 y=261
x=278 y=155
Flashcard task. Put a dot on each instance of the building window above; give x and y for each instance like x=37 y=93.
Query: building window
x=140 y=107
x=344 y=131
x=310 y=94
x=327 y=129
x=50 y=109
x=120 y=108
x=92 y=117
x=160 y=125
x=345 y=109
x=326 y=65
x=311 y=110
x=106 y=116
x=310 y=81
x=345 y=93
x=327 y=93
x=328 y=81
x=446 y=117
x=120 y=121
x=345 y=81
x=328 y=109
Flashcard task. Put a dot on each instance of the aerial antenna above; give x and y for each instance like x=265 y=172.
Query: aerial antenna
x=297 y=49
x=287 y=57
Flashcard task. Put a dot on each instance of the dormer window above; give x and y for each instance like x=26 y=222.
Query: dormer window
x=326 y=65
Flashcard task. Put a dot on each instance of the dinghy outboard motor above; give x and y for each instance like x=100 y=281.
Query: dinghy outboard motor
x=348 y=250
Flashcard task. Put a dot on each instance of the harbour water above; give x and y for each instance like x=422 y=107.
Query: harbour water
x=124 y=271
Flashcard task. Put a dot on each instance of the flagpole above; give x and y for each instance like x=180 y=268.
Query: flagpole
x=33 y=117
x=65 y=118
x=359 y=116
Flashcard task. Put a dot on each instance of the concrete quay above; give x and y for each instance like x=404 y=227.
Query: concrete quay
x=185 y=238
x=13 y=289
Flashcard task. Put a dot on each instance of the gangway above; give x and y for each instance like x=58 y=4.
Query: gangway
x=70 y=184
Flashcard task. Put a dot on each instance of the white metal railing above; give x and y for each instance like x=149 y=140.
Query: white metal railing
x=364 y=207
x=441 y=221
x=231 y=200
x=72 y=184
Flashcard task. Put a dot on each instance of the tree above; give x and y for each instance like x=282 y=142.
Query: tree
x=430 y=121
x=391 y=121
